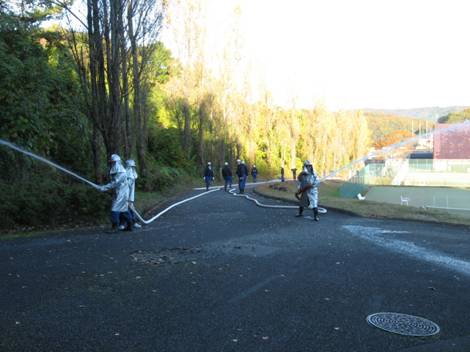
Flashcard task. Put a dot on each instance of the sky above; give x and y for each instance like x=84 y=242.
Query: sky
x=345 y=54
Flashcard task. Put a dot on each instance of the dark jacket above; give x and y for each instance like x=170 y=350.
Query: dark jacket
x=226 y=171
x=254 y=172
x=242 y=170
x=208 y=172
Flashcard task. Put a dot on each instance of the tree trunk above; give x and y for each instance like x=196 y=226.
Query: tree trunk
x=101 y=95
x=139 y=125
x=95 y=147
x=128 y=140
x=201 y=113
x=143 y=135
x=187 y=129
x=114 y=82
x=223 y=151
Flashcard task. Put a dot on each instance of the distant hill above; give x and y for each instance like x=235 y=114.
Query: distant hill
x=429 y=113
x=382 y=125
x=455 y=117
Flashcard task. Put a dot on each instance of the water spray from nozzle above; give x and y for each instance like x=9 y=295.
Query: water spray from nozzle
x=48 y=162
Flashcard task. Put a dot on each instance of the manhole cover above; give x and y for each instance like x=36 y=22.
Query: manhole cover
x=403 y=324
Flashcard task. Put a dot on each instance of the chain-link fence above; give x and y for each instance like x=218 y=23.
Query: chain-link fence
x=415 y=172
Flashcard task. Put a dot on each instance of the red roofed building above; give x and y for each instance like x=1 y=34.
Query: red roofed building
x=453 y=143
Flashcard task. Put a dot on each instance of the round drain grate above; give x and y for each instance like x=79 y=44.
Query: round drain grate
x=403 y=324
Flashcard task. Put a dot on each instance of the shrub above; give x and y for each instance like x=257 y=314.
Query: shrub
x=49 y=200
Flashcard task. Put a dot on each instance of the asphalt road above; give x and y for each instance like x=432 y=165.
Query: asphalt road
x=221 y=274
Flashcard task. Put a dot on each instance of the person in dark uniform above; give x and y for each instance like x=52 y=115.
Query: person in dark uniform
x=227 y=175
x=208 y=175
x=294 y=173
x=254 y=173
x=242 y=173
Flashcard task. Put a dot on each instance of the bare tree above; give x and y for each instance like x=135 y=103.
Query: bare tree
x=120 y=34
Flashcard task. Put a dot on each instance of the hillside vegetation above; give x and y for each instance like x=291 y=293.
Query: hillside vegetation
x=455 y=117
x=432 y=113
x=390 y=129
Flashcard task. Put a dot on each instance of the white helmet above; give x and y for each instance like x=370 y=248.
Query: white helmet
x=117 y=165
x=115 y=158
x=308 y=167
x=226 y=163
x=130 y=163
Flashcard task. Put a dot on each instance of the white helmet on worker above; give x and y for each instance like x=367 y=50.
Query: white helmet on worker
x=115 y=158
x=308 y=167
x=117 y=165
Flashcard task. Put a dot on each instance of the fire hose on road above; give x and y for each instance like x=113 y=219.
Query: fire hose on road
x=97 y=187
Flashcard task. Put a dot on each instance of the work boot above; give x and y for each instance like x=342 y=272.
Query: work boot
x=315 y=214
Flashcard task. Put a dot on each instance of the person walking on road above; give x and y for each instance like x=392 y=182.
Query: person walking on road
x=227 y=175
x=254 y=173
x=119 y=207
x=294 y=173
x=208 y=175
x=242 y=173
x=308 y=190
x=131 y=177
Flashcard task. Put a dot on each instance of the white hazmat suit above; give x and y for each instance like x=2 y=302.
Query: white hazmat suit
x=308 y=189
x=119 y=184
x=131 y=177
x=312 y=193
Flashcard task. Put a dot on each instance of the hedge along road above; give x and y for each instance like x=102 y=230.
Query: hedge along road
x=221 y=274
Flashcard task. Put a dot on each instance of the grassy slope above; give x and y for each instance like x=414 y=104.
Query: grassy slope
x=145 y=202
x=329 y=198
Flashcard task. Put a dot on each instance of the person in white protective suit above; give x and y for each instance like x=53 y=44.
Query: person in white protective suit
x=131 y=177
x=308 y=190
x=119 y=208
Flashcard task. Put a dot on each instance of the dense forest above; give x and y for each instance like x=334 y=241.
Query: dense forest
x=77 y=96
